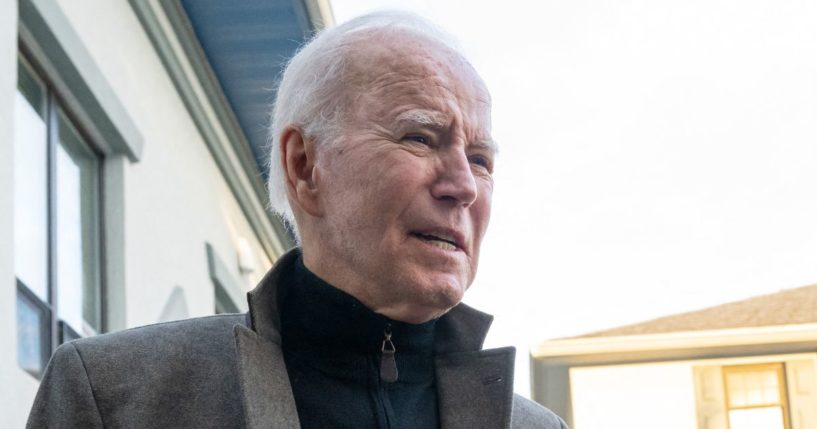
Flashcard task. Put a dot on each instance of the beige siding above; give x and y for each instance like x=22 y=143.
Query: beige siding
x=643 y=396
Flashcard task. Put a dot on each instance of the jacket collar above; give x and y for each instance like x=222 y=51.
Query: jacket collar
x=462 y=329
x=474 y=386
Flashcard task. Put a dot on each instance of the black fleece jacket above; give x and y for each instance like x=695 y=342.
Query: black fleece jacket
x=333 y=348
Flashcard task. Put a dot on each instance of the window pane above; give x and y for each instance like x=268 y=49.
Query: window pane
x=758 y=386
x=737 y=389
x=31 y=332
x=77 y=169
x=30 y=184
x=757 y=418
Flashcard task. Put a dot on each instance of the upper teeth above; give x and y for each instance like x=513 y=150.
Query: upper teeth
x=443 y=245
x=442 y=241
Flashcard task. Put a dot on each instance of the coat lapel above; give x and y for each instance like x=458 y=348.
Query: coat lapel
x=475 y=389
x=265 y=388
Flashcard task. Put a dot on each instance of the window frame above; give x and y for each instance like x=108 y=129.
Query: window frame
x=780 y=371
x=54 y=331
x=45 y=328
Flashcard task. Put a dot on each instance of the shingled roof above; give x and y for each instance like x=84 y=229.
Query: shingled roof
x=787 y=307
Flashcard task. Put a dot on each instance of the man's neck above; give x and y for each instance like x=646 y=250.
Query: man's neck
x=340 y=276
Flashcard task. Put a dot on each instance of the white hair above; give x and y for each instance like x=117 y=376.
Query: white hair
x=311 y=90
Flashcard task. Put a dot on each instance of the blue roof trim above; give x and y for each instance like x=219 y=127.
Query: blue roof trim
x=247 y=44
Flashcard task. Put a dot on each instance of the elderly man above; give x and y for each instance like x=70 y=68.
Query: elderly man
x=382 y=162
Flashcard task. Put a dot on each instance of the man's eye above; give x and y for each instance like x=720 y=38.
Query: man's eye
x=480 y=161
x=417 y=138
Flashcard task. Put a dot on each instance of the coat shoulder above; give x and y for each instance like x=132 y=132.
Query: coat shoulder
x=171 y=334
x=147 y=374
x=529 y=415
x=163 y=350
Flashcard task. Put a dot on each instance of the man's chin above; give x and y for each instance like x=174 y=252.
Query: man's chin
x=448 y=298
x=433 y=303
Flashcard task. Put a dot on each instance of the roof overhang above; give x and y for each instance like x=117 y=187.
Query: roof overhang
x=224 y=58
x=679 y=345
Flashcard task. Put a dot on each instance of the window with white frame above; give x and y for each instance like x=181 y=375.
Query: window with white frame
x=753 y=393
x=57 y=223
x=756 y=396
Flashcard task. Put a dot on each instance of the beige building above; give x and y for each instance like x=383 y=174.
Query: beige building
x=750 y=364
x=132 y=153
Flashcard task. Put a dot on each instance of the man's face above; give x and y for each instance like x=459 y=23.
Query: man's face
x=406 y=192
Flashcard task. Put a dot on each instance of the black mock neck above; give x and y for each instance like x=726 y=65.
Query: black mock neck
x=332 y=349
x=316 y=315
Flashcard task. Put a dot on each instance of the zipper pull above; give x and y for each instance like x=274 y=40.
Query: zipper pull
x=388 y=366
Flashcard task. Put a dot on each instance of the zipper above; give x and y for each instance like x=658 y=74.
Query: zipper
x=388 y=365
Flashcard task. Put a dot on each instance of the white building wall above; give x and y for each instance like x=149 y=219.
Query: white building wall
x=175 y=196
x=633 y=396
x=174 y=199
x=16 y=386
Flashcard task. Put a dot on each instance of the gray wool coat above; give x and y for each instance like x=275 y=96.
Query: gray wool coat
x=228 y=371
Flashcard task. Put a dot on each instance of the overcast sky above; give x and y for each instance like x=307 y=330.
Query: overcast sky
x=655 y=156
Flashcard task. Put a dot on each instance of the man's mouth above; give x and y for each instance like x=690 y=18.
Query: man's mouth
x=442 y=241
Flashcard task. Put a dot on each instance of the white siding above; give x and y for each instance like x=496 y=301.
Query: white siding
x=633 y=397
x=173 y=200
x=16 y=386
x=8 y=85
x=175 y=197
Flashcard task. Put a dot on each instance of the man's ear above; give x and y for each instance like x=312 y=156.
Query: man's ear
x=298 y=155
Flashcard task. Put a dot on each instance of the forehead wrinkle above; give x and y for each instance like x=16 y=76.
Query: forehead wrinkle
x=430 y=79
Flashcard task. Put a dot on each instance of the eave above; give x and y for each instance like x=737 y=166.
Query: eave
x=234 y=149
x=679 y=345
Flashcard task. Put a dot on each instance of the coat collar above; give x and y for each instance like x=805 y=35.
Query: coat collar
x=474 y=386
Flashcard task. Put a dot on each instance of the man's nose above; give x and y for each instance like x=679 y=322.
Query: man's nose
x=455 y=181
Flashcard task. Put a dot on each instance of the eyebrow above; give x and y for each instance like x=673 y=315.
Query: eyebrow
x=437 y=120
x=488 y=144
x=422 y=117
